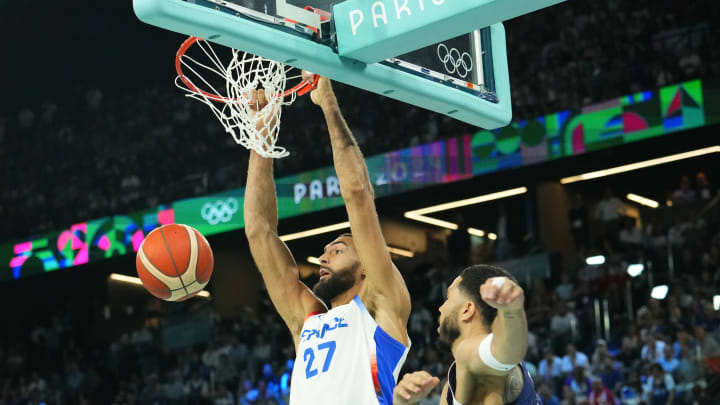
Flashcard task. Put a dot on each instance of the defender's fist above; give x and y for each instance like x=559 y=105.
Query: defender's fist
x=502 y=293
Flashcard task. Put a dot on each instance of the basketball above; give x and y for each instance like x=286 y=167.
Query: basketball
x=174 y=262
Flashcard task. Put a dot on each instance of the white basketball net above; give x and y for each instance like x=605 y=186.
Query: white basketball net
x=245 y=72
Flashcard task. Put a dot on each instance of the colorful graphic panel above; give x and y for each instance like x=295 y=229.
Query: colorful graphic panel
x=81 y=243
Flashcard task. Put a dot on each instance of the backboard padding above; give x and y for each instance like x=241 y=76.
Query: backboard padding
x=482 y=108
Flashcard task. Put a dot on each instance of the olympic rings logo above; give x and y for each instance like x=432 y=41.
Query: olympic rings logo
x=454 y=61
x=219 y=211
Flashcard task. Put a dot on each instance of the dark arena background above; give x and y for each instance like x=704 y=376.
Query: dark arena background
x=98 y=147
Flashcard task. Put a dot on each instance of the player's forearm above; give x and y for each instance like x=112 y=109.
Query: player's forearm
x=260 y=209
x=348 y=159
x=510 y=336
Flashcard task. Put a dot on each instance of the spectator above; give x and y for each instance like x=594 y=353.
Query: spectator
x=611 y=375
x=704 y=189
x=574 y=358
x=420 y=321
x=685 y=194
x=687 y=372
x=600 y=395
x=631 y=237
x=564 y=322
x=175 y=389
x=599 y=356
x=668 y=361
x=579 y=223
x=285 y=379
x=632 y=392
x=568 y=396
x=630 y=347
x=197 y=389
x=224 y=395
x=579 y=383
x=550 y=368
x=607 y=212
x=707 y=344
x=653 y=349
x=226 y=371
x=545 y=392
x=659 y=388
x=564 y=290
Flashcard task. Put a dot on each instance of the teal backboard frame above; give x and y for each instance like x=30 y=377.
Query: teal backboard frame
x=296 y=50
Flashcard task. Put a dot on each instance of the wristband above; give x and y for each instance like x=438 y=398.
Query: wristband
x=490 y=360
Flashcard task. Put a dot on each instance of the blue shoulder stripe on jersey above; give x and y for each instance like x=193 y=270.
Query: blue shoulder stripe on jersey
x=389 y=353
x=360 y=304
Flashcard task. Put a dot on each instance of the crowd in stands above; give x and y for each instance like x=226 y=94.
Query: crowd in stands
x=653 y=351
x=94 y=152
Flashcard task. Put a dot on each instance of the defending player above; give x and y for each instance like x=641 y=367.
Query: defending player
x=351 y=354
x=483 y=321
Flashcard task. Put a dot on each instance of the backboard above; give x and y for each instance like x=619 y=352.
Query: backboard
x=465 y=77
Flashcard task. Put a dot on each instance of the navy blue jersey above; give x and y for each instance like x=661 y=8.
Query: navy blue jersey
x=528 y=396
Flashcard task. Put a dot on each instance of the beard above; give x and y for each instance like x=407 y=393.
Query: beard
x=449 y=332
x=338 y=282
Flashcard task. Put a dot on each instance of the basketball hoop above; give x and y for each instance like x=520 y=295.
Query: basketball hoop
x=238 y=77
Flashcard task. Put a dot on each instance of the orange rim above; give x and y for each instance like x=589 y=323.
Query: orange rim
x=300 y=89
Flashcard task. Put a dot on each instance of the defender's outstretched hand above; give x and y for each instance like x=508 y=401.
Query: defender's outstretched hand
x=414 y=387
x=502 y=293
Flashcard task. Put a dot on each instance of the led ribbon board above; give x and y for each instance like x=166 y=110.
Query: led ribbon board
x=613 y=123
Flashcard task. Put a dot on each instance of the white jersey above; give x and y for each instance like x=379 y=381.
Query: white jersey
x=344 y=357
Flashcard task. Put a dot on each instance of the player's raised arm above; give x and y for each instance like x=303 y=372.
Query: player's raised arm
x=291 y=297
x=499 y=353
x=382 y=276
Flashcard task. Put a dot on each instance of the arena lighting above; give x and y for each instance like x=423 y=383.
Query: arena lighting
x=635 y=270
x=492 y=236
x=595 y=260
x=641 y=165
x=432 y=221
x=659 y=292
x=125 y=279
x=470 y=201
x=401 y=252
x=476 y=232
x=716 y=302
x=642 y=200
x=419 y=215
x=315 y=231
x=135 y=280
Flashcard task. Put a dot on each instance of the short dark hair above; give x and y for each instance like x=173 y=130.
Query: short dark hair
x=475 y=276
x=347 y=234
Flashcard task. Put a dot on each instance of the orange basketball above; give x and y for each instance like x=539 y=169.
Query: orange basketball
x=174 y=262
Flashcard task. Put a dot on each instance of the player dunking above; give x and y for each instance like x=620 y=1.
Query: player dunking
x=483 y=321
x=352 y=353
